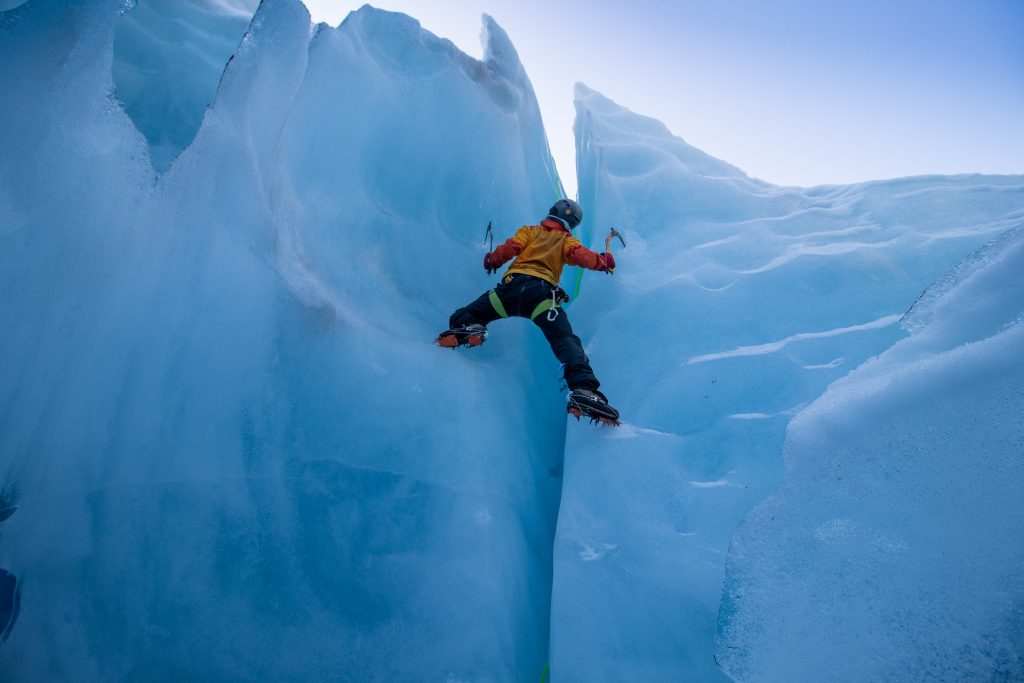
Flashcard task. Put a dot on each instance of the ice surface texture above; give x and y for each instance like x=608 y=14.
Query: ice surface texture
x=168 y=59
x=735 y=304
x=238 y=455
x=893 y=549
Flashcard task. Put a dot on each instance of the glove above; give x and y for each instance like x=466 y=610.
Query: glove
x=487 y=265
x=609 y=261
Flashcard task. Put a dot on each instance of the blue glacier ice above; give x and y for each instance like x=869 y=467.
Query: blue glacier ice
x=233 y=448
x=735 y=304
x=168 y=59
x=230 y=450
x=893 y=549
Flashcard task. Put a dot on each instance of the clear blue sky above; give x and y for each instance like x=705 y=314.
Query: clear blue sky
x=796 y=92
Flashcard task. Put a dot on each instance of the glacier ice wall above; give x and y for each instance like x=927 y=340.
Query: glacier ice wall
x=893 y=550
x=168 y=59
x=232 y=448
x=734 y=305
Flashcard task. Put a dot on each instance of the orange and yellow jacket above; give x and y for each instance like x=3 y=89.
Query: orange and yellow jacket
x=543 y=250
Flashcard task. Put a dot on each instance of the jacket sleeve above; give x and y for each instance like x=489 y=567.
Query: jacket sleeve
x=512 y=247
x=578 y=255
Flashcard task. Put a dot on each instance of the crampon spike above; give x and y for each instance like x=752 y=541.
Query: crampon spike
x=472 y=336
x=448 y=341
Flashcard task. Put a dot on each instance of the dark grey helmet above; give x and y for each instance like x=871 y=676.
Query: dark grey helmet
x=567 y=212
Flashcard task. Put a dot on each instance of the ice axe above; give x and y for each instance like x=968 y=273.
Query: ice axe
x=489 y=235
x=608 y=239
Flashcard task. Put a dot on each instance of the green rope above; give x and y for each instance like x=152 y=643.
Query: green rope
x=544 y=676
x=584 y=238
x=559 y=188
x=559 y=193
x=576 y=287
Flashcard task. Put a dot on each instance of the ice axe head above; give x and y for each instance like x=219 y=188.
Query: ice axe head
x=608 y=240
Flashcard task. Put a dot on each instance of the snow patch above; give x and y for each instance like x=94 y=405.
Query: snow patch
x=595 y=551
x=710 y=484
x=773 y=347
x=826 y=366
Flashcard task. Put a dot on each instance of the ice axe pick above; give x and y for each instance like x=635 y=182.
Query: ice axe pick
x=608 y=239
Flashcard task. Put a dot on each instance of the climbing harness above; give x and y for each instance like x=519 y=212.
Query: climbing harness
x=551 y=306
x=499 y=307
x=553 y=311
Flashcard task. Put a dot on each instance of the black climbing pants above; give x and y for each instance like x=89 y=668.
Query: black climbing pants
x=531 y=297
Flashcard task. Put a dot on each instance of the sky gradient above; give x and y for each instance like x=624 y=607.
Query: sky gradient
x=795 y=92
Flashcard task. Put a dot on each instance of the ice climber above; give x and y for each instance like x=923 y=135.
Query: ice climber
x=529 y=289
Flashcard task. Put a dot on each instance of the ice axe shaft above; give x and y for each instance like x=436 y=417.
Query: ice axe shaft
x=608 y=239
x=489 y=235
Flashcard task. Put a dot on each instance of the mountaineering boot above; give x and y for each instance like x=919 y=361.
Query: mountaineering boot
x=593 y=404
x=473 y=334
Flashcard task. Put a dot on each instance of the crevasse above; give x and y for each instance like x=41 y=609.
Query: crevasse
x=230 y=450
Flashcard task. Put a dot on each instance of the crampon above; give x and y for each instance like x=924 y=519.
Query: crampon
x=469 y=335
x=592 y=404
